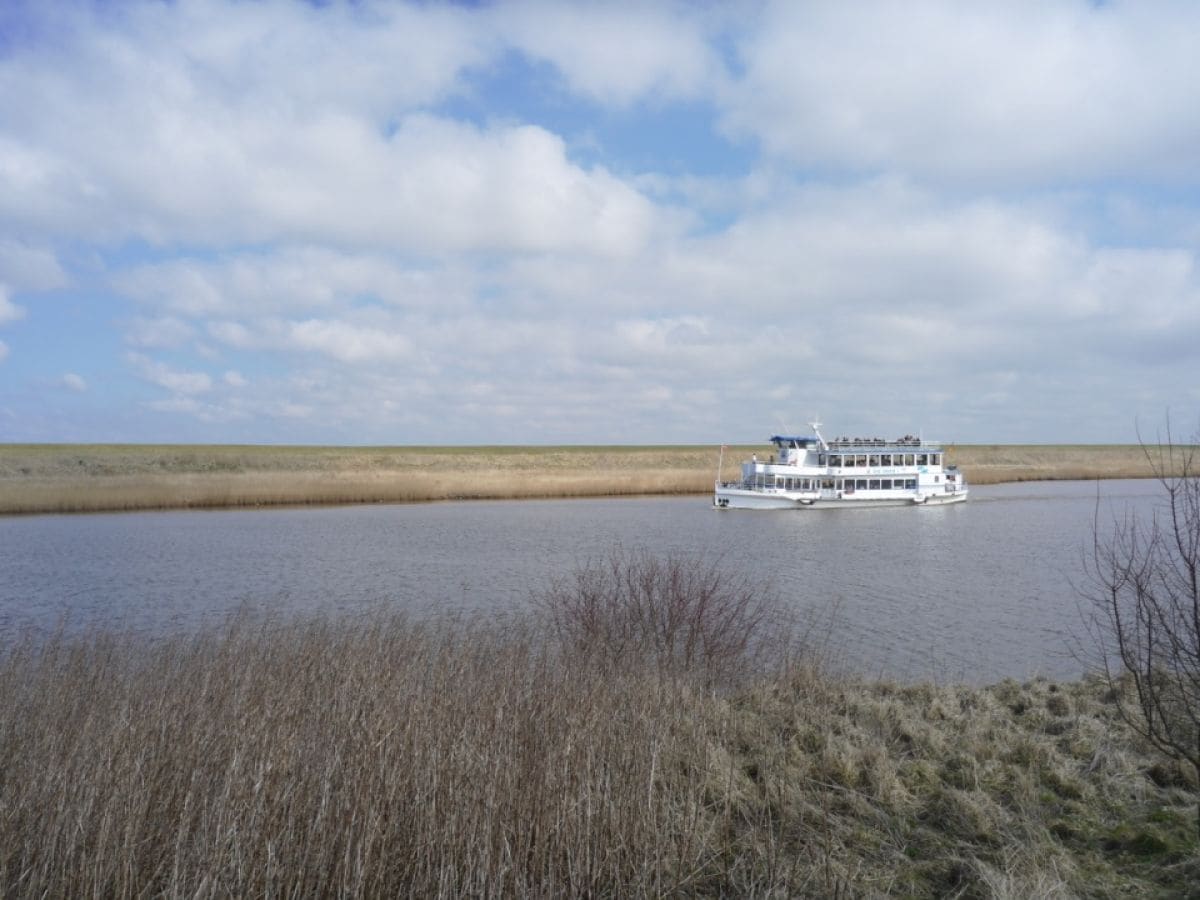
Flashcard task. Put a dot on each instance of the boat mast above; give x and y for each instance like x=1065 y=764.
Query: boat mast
x=815 y=424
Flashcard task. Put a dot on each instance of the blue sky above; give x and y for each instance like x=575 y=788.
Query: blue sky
x=531 y=222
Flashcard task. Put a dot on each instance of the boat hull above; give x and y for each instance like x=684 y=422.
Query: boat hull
x=741 y=498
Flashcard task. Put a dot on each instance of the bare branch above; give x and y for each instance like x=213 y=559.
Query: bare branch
x=1143 y=584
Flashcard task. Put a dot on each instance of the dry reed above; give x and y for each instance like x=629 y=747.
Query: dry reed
x=87 y=478
x=382 y=756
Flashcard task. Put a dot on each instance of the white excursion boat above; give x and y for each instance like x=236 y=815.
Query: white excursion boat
x=810 y=472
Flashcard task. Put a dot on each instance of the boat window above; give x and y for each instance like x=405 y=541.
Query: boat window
x=909 y=459
x=885 y=484
x=787 y=484
x=874 y=484
x=861 y=484
x=935 y=459
x=873 y=460
x=911 y=484
x=835 y=461
x=885 y=459
x=827 y=483
x=861 y=460
x=922 y=459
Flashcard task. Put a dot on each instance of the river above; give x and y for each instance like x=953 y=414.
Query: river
x=977 y=591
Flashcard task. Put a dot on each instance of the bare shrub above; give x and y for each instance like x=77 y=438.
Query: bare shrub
x=1144 y=593
x=672 y=613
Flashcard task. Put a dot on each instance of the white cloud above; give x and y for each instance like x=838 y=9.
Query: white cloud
x=1009 y=92
x=178 y=382
x=73 y=382
x=616 y=53
x=346 y=342
x=28 y=267
x=159 y=331
x=265 y=122
x=289 y=280
x=9 y=311
x=375 y=209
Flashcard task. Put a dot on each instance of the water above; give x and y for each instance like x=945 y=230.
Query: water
x=976 y=591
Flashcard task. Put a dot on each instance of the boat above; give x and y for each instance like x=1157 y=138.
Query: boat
x=813 y=473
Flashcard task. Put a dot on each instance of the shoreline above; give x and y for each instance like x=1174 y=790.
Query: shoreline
x=65 y=478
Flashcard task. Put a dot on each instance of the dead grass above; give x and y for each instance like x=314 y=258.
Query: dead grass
x=385 y=757
x=83 y=478
x=37 y=478
x=996 y=463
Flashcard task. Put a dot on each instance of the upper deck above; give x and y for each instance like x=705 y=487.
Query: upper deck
x=906 y=443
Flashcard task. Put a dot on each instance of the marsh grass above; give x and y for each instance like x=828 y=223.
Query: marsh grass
x=534 y=756
x=47 y=478
x=83 y=478
x=997 y=463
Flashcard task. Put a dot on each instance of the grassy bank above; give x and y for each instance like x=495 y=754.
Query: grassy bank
x=389 y=758
x=80 y=478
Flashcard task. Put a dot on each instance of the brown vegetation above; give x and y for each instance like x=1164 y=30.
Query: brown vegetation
x=1144 y=589
x=386 y=757
x=82 y=478
x=47 y=478
x=997 y=463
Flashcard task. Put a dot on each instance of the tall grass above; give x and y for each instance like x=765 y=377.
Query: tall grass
x=82 y=478
x=380 y=759
x=524 y=757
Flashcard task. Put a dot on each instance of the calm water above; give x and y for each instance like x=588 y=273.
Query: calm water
x=977 y=591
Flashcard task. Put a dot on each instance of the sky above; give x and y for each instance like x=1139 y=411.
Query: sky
x=229 y=221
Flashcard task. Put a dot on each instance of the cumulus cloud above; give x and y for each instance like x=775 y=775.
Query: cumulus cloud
x=1012 y=92
x=177 y=381
x=9 y=311
x=239 y=142
x=616 y=53
x=158 y=331
x=73 y=382
x=27 y=267
x=362 y=221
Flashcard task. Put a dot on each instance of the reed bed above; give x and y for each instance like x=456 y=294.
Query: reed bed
x=88 y=478
x=560 y=753
x=998 y=463
x=44 y=478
